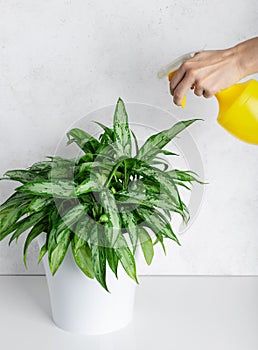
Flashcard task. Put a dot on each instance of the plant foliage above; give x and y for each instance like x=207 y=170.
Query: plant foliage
x=102 y=204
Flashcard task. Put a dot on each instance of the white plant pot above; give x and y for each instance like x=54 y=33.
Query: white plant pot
x=81 y=305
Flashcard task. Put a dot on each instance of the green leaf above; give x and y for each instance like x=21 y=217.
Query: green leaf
x=182 y=184
x=184 y=175
x=16 y=199
x=112 y=259
x=109 y=133
x=59 y=252
x=164 y=164
x=130 y=223
x=61 y=172
x=157 y=223
x=82 y=256
x=84 y=140
x=87 y=157
x=168 y=153
x=135 y=142
x=88 y=185
x=9 y=217
x=146 y=216
x=156 y=142
x=160 y=240
x=41 y=167
x=166 y=182
x=60 y=161
x=26 y=223
x=167 y=213
x=72 y=216
x=39 y=203
x=121 y=129
x=23 y=176
x=94 y=166
x=126 y=257
x=160 y=177
x=42 y=252
x=113 y=172
x=85 y=228
x=161 y=200
x=113 y=225
x=57 y=188
x=36 y=231
x=54 y=221
x=146 y=244
x=99 y=259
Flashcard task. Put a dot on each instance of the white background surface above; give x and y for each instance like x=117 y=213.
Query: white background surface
x=59 y=60
x=182 y=313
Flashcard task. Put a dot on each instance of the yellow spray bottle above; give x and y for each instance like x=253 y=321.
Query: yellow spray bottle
x=238 y=105
x=238 y=110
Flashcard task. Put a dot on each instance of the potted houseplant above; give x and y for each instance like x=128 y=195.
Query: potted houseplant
x=92 y=214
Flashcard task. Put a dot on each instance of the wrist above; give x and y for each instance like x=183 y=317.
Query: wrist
x=247 y=57
x=240 y=61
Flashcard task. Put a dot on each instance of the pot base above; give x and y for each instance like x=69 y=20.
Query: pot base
x=81 y=305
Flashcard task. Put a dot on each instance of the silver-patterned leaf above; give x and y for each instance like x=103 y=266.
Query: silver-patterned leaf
x=39 y=203
x=57 y=188
x=157 y=223
x=146 y=244
x=126 y=257
x=130 y=223
x=26 y=223
x=82 y=256
x=59 y=252
x=99 y=259
x=84 y=140
x=35 y=232
x=113 y=225
x=122 y=134
x=156 y=142
x=88 y=185
x=23 y=176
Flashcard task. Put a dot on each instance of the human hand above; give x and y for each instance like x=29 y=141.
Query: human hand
x=208 y=72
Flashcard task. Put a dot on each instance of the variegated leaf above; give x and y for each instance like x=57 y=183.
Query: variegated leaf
x=113 y=225
x=121 y=129
x=59 y=252
x=126 y=257
x=82 y=256
x=146 y=244
x=57 y=188
x=156 y=142
x=35 y=232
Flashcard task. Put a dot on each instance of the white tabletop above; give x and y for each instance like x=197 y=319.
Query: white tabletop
x=174 y=313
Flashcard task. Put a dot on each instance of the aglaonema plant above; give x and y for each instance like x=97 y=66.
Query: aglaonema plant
x=104 y=203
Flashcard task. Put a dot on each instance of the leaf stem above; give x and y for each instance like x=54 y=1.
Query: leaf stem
x=125 y=182
x=113 y=173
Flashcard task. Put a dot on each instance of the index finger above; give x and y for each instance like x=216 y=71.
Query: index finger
x=182 y=87
x=175 y=78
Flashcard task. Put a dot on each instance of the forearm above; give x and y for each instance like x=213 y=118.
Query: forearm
x=247 y=53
